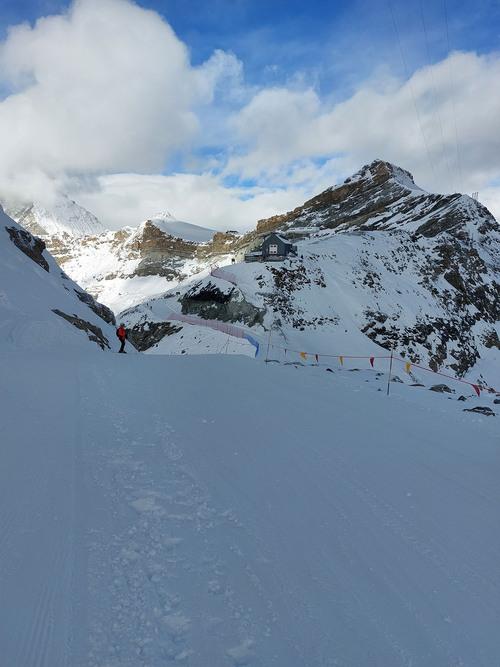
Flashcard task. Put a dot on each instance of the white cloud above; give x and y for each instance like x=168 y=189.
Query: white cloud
x=105 y=87
x=273 y=126
x=297 y=147
x=458 y=104
x=128 y=199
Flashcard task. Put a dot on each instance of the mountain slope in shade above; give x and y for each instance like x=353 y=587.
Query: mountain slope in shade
x=41 y=307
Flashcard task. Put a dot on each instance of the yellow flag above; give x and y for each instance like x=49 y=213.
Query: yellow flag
x=303 y=356
x=408 y=366
x=341 y=361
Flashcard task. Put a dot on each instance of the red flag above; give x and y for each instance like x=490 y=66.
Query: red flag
x=317 y=360
x=477 y=389
x=371 y=360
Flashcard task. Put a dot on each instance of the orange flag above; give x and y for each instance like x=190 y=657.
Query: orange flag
x=408 y=366
x=303 y=356
x=341 y=361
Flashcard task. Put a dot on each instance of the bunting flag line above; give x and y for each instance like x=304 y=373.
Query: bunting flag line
x=477 y=388
x=239 y=333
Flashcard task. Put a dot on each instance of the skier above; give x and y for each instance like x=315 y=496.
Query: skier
x=122 y=336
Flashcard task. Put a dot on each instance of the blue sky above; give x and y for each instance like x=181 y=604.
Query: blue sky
x=252 y=105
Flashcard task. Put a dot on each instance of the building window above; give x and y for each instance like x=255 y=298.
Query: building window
x=273 y=249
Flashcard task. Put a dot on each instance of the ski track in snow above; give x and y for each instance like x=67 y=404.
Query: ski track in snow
x=146 y=523
x=155 y=536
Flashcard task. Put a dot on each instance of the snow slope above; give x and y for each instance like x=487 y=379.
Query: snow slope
x=212 y=510
x=31 y=291
x=333 y=299
x=182 y=230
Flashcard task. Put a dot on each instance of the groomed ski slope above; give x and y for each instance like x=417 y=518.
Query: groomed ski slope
x=214 y=510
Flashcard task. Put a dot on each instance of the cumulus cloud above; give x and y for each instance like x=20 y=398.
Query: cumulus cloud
x=105 y=87
x=128 y=199
x=441 y=125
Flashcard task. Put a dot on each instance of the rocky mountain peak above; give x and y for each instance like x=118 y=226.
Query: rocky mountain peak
x=382 y=196
x=376 y=174
x=371 y=190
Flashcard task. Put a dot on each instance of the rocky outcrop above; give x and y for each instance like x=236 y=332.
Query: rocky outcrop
x=99 y=309
x=370 y=192
x=93 y=332
x=145 y=335
x=161 y=254
x=31 y=246
x=210 y=302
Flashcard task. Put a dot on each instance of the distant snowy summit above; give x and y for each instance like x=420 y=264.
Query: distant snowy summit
x=62 y=218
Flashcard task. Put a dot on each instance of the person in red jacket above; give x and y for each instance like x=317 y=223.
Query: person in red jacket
x=121 y=332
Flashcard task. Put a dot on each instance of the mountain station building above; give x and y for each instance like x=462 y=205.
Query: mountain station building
x=275 y=247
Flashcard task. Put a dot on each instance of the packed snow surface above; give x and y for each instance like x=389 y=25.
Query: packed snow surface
x=211 y=510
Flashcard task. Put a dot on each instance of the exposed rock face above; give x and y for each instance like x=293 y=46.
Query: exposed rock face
x=210 y=302
x=161 y=254
x=93 y=332
x=380 y=196
x=145 y=335
x=30 y=245
x=104 y=312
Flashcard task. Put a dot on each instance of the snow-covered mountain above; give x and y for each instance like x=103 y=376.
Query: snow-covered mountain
x=63 y=218
x=118 y=268
x=380 y=263
x=41 y=307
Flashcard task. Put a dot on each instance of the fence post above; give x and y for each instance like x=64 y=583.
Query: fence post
x=390 y=367
x=268 y=343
